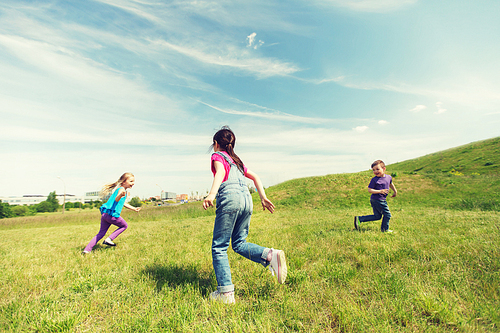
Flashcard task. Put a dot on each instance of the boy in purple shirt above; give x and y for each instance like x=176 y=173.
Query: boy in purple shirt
x=379 y=188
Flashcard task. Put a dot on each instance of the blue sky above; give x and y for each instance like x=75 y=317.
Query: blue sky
x=92 y=89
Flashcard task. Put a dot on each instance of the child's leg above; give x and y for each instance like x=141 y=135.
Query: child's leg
x=120 y=223
x=221 y=236
x=102 y=232
x=251 y=251
x=387 y=215
x=259 y=254
x=377 y=212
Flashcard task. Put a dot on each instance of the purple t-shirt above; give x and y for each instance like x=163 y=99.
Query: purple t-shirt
x=380 y=183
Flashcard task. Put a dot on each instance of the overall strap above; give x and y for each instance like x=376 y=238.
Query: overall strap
x=225 y=157
x=231 y=163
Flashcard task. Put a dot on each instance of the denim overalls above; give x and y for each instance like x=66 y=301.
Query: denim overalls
x=233 y=212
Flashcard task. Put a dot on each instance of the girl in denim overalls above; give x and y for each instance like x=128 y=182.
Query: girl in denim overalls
x=233 y=212
x=112 y=209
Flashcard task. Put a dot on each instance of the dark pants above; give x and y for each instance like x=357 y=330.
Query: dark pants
x=380 y=209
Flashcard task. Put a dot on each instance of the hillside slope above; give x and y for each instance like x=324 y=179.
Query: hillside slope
x=466 y=177
x=482 y=157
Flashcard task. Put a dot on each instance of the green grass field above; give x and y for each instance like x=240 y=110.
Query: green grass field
x=438 y=272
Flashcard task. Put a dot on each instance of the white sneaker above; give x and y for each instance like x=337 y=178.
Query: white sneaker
x=85 y=252
x=108 y=242
x=221 y=297
x=278 y=265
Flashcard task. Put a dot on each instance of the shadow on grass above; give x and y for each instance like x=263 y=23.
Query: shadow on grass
x=176 y=275
x=97 y=248
x=365 y=229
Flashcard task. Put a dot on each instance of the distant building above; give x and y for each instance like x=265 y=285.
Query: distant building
x=34 y=199
x=168 y=196
x=181 y=197
x=95 y=196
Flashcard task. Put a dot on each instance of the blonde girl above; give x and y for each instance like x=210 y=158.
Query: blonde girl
x=233 y=212
x=112 y=209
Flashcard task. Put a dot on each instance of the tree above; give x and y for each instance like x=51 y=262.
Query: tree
x=136 y=202
x=44 y=207
x=5 y=210
x=52 y=201
x=20 y=210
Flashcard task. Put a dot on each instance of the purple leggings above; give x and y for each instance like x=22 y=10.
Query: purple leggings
x=106 y=222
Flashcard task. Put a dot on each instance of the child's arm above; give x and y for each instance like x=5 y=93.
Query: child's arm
x=218 y=178
x=122 y=193
x=393 y=188
x=266 y=203
x=374 y=191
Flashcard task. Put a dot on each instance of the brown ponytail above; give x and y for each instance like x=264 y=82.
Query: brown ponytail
x=226 y=140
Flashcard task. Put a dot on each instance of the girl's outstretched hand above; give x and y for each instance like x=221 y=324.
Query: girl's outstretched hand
x=266 y=203
x=209 y=201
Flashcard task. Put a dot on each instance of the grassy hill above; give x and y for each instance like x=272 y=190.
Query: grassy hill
x=482 y=157
x=466 y=177
x=438 y=271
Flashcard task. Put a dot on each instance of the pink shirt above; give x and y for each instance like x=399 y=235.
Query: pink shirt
x=227 y=166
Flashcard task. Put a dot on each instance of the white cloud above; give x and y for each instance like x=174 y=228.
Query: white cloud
x=251 y=39
x=133 y=7
x=360 y=129
x=482 y=95
x=274 y=115
x=368 y=5
x=418 y=108
x=234 y=58
x=337 y=79
x=252 y=43
x=383 y=122
x=440 y=109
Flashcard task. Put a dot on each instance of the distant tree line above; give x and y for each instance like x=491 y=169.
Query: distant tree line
x=49 y=205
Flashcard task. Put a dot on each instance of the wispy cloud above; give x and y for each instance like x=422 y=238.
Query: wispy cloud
x=234 y=58
x=321 y=81
x=368 y=5
x=418 y=108
x=135 y=7
x=360 y=129
x=276 y=115
x=440 y=108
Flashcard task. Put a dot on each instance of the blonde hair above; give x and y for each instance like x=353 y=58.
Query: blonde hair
x=106 y=189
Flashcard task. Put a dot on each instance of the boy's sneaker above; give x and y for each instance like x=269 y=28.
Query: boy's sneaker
x=356 y=223
x=221 y=297
x=278 y=265
x=108 y=242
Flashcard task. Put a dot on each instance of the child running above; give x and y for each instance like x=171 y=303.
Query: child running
x=379 y=188
x=233 y=211
x=112 y=209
